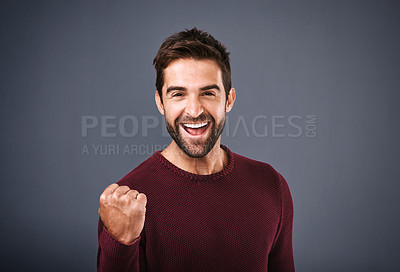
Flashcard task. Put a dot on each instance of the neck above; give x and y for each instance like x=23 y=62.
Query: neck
x=216 y=160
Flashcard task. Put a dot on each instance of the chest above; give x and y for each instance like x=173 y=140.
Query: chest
x=212 y=217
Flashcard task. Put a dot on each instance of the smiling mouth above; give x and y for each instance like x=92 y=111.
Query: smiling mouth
x=195 y=129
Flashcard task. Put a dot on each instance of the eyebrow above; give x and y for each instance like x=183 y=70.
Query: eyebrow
x=205 y=88
x=209 y=87
x=177 y=88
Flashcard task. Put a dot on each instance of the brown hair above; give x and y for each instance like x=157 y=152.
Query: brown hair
x=195 y=44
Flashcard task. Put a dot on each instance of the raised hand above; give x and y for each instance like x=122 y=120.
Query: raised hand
x=123 y=211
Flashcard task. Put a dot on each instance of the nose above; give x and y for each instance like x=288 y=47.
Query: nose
x=194 y=107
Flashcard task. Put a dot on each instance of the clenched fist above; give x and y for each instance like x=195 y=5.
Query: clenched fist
x=123 y=212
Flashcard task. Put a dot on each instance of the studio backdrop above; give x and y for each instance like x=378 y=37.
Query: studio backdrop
x=317 y=87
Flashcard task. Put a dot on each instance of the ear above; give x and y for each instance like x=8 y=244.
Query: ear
x=231 y=100
x=159 y=104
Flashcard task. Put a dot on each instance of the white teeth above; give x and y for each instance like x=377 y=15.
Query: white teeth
x=195 y=125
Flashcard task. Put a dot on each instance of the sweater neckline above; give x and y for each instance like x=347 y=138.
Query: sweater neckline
x=197 y=177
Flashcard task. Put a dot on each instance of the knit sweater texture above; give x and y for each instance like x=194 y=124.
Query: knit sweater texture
x=239 y=219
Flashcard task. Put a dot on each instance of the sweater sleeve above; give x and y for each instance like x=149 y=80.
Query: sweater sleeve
x=115 y=256
x=280 y=257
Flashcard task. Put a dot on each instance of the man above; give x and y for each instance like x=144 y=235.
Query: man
x=196 y=205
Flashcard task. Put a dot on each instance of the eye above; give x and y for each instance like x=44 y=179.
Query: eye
x=177 y=94
x=209 y=93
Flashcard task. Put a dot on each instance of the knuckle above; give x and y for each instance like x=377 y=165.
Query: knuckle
x=102 y=198
x=111 y=187
x=122 y=188
x=142 y=198
x=124 y=199
x=132 y=196
x=114 y=197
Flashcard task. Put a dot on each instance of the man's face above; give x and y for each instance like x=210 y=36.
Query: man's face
x=194 y=104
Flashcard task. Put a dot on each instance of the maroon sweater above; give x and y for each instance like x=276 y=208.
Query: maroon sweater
x=239 y=219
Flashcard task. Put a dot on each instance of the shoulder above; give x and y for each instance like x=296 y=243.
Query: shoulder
x=254 y=167
x=261 y=172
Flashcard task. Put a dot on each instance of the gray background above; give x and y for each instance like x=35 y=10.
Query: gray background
x=337 y=60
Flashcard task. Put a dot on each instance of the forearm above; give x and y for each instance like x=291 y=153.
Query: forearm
x=115 y=256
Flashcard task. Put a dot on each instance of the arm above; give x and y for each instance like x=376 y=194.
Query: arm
x=280 y=257
x=113 y=255
x=122 y=214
